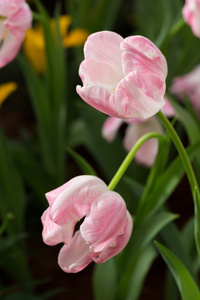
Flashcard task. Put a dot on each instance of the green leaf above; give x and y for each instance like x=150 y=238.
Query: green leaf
x=83 y=164
x=139 y=240
x=197 y=219
x=12 y=190
x=140 y=271
x=164 y=186
x=105 y=280
x=184 y=281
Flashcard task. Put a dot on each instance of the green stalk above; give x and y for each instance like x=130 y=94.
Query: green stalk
x=190 y=174
x=130 y=157
x=180 y=148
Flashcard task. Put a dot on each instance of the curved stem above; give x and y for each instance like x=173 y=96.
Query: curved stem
x=130 y=157
x=183 y=154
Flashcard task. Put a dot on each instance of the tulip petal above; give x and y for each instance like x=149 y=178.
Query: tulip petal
x=104 y=46
x=75 y=198
x=140 y=95
x=147 y=153
x=9 y=49
x=105 y=221
x=8 y=7
x=119 y=244
x=52 y=233
x=19 y=22
x=191 y=15
x=99 y=73
x=110 y=128
x=99 y=98
x=76 y=256
x=142 y=55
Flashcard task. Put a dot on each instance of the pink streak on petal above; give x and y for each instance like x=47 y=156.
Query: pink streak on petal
x=140 y=95
x=8 y=7
x=142 y=55
x=105 y=221
x=76 y=198
x=120 y=242
x=12 y=29
x=110 y=128
x=99 y=98
x=76 y=256
x=191 y=15
x=52 y=233
x=146 y=155
x=19 y=22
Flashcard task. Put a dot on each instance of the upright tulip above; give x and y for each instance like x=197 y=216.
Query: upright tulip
x=105 y=230
x=15 y=19
x=123 y=78
x=191 y=15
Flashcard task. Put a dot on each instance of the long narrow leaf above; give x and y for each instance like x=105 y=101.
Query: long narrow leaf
x=184 y=281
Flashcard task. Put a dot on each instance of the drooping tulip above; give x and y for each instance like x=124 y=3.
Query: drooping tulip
x=104 y=232
x=15 y=19
x=123 y=78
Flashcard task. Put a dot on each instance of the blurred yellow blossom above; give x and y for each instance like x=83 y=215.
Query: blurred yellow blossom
x=6 y=89
x=34 y=43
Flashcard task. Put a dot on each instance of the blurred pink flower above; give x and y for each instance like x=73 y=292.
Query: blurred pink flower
x=188 y=85
x=191 y=15
x=106 y=228
x=124 y=78
x=146 y=155
x=15 y=19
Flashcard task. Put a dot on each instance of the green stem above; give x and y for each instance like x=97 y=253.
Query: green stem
x=180 y=148
x=130 y=157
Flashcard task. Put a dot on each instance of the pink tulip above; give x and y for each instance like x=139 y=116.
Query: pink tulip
x=191 y=15
x=123 y=78
x=188 y=85
x=136 y=128
x=168 y=109
x=104 y=232
x=146 y=155
x=15 y=19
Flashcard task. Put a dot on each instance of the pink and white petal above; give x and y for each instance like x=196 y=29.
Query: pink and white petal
x=105 y=221
x=120 y=242
x=191 y=15
x=139 y=95
x=76 y=256
x=20 y=21
x=54 y=234
x=104 y=46
x=8 y=7
x=75 y=200
x=98 y=73
x=99 y=98
x=168 y=109
x=9 y=49
x=110 y=128
x=141 y=54
x=146 y=155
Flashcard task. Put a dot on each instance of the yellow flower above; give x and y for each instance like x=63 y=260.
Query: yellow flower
x=34 y=43
x=6 y=89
